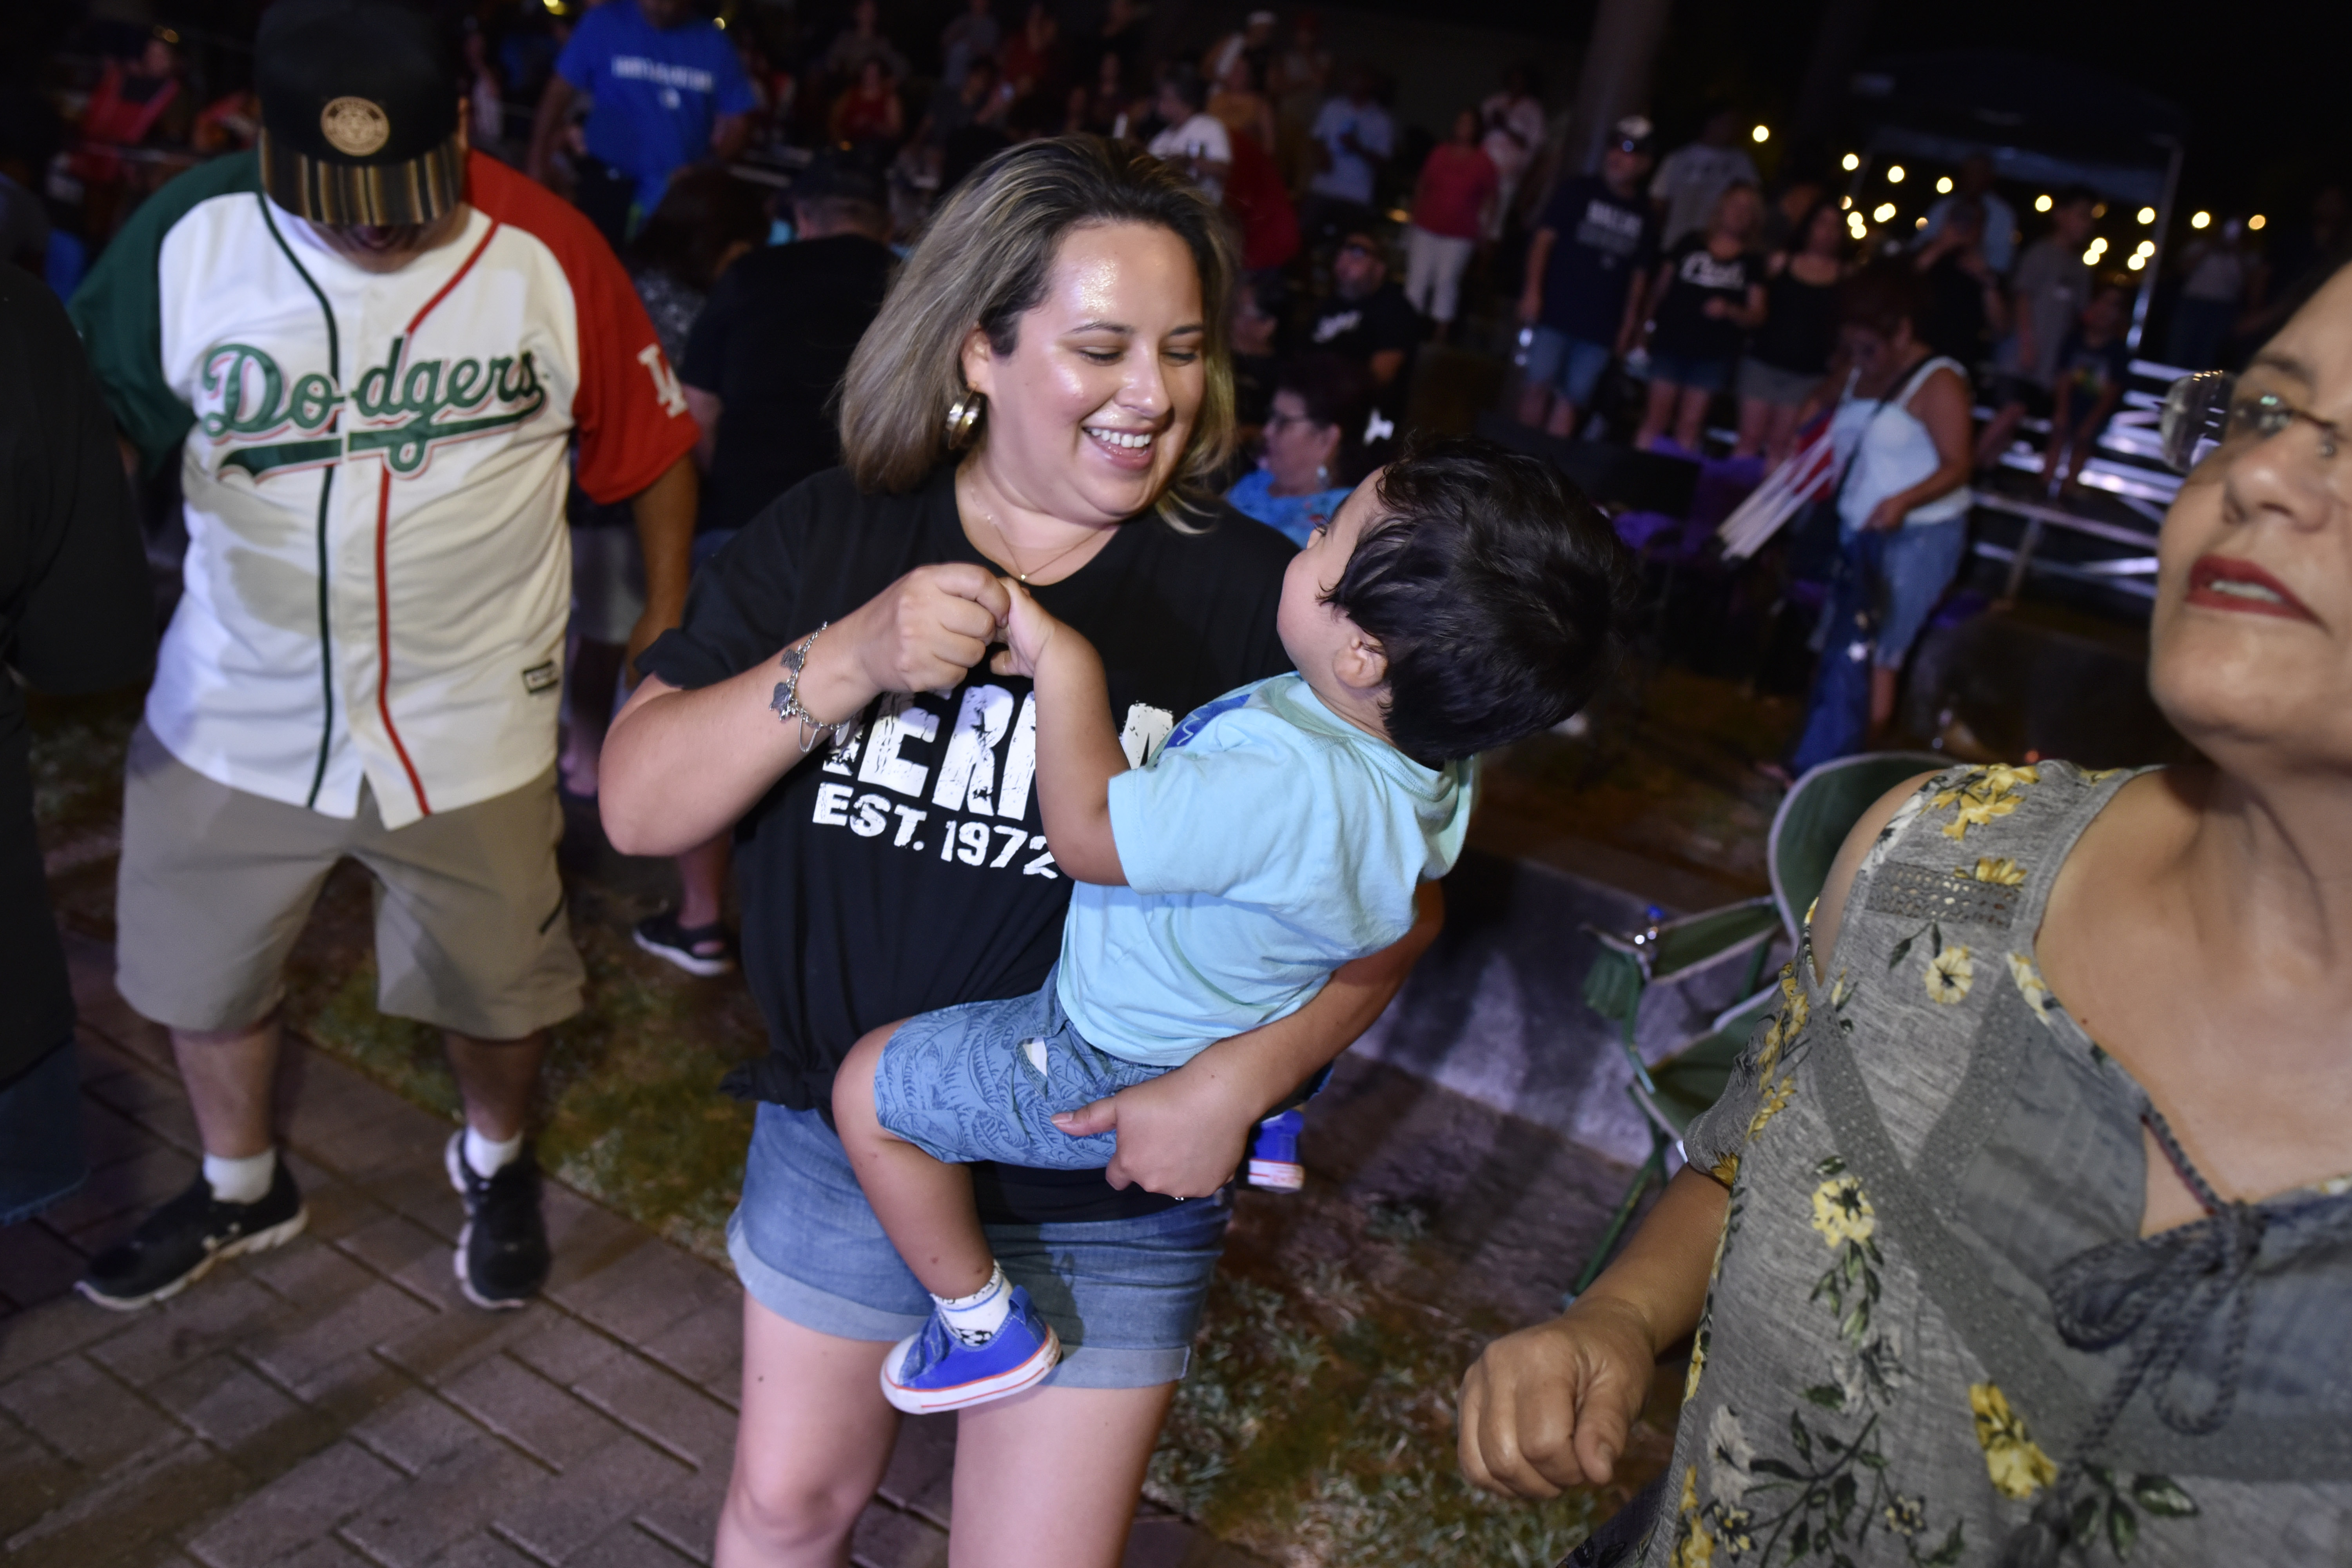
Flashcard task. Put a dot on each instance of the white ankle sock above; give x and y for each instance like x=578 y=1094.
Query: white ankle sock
x=976 y=1318
x=486 y=1158
x=244 y=1181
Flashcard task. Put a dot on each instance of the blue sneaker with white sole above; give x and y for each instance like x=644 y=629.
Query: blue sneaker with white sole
x=935 y=1370
x=1274 y=1163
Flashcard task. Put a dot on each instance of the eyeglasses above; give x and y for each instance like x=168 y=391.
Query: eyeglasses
x=2206 y=411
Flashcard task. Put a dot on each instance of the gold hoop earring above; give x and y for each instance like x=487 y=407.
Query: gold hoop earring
x=963 y=419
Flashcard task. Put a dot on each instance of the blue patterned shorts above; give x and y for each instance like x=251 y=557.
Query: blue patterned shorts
x=981 y=1081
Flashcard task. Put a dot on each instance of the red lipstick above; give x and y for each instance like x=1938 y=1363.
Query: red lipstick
x=2230 y=583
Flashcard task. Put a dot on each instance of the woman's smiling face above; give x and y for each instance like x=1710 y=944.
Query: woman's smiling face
x=1090 y=415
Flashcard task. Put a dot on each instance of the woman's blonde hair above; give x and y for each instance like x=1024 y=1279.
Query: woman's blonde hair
x=984 y=262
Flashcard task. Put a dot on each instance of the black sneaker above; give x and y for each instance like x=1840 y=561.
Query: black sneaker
x=698 y=950
x=501 y=1258
x=178 y=1244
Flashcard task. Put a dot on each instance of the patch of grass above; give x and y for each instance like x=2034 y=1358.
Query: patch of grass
x=1317 y=1425
x=78 y=746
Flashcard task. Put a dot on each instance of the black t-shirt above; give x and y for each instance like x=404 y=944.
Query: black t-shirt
x=1801 y=324
x=772 y=344
x=1684 y=330
x=1601 y=240
x=76 y=614
x=1955 y=322
x=1358 y=329
x=911 y=872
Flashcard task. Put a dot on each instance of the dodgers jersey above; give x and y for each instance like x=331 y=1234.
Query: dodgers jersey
x=374 y=467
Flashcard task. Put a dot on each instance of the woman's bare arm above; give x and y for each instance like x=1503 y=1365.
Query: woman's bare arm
x=679 y=767
x=1549 y=1407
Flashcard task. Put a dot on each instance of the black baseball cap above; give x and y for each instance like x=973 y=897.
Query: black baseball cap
x=359 y=112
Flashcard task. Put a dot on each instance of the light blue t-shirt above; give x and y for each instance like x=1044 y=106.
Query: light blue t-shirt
x=1267 y=844
x=658 y=92
x=1294 y=517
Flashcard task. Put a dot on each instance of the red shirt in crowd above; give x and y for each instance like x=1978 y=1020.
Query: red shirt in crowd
x=1455 y=186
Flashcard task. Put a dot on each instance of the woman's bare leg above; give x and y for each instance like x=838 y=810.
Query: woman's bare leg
x=1053 y=1475
x=1755 y=427
x=1655 y=413
x=925 y=1205
x=810 y=1447
x=1690 y=417
x=1779 y=435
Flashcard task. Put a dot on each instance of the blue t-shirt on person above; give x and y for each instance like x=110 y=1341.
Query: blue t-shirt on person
x=658 y=92
x=1601 y=240
x=1294 y=517
x=1269 y=842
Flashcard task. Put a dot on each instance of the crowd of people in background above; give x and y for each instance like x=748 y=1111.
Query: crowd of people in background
x=1672 y=299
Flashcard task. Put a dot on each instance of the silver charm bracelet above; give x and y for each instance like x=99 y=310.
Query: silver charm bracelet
x=787 y=699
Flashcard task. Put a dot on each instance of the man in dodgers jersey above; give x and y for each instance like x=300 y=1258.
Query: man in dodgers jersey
x=371 y=350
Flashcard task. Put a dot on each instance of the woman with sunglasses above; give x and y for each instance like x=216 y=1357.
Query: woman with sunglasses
x=2023 y=1231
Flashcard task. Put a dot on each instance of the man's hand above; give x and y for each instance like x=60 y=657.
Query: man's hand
x=1182 y=1135
x=1549 y=1407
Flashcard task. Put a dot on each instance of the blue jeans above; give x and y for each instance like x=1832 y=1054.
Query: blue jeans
x=41 y=1157
x=1569 y=366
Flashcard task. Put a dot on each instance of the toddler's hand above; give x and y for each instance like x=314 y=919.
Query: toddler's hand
x=1028 y=628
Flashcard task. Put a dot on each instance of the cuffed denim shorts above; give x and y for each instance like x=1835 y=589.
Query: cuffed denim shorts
x=1125 y=1295
x=984 y=1081
x=1690 y=374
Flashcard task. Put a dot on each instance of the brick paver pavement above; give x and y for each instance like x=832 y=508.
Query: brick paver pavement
x=336 y=1401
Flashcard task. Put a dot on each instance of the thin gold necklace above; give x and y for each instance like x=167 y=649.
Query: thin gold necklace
x=1017 y=572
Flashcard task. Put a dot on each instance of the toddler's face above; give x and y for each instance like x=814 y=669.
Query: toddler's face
x=1316 y=634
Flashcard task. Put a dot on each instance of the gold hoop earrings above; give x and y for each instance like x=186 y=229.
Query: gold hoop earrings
x=963 y=419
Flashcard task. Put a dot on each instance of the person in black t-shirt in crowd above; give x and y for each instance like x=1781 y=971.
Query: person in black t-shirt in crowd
x=1966 y=310
x=758 y=369
x=1043 y=396
x=1585 y=267
x=708 y=219
x=1709 y=291
x=1790 y=352
x=2093 y=365
x=76 y=614
x=1369 y=320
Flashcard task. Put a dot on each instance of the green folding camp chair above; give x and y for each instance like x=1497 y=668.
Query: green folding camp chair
x=1814 y=817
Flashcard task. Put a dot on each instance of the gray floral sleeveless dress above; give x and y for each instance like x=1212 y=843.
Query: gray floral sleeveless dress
x=1933 y=1332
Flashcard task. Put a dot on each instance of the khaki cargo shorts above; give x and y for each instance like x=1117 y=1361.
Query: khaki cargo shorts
x=216 y=884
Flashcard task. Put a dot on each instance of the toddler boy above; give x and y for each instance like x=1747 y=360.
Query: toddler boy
x=1459 y=599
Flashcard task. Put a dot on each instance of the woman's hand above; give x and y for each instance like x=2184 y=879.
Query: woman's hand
x=1549 y=1407
x=1182 y=1135
x=1888 y=514
x=1029 y=627
x=926 y=629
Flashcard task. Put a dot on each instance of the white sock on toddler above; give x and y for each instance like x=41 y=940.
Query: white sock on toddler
x=976 y=1318
x=244 y=1181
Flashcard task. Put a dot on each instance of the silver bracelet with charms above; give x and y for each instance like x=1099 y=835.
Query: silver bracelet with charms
x=786 y=702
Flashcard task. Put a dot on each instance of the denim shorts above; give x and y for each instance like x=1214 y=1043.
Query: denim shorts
x=1694 y=374
x=1571 y=366
x=1125 y=1295
x=983 y=1080
x=1919 y=564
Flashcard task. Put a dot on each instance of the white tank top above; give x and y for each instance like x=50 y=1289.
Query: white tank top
x=1889 y=448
